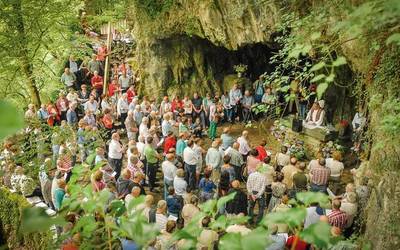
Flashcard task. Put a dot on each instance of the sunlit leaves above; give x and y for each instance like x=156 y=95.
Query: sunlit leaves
x=308 y=198
x=394 y=38
x=317 y=234
x=318 y=78
x=36 y=219
x=11 y=119
x=339 y=61
x=321 y=89
x=317 y=66
x=223 y=200
x=292 y=217
x=209 y=206
x=256 y=239
x=315 y=35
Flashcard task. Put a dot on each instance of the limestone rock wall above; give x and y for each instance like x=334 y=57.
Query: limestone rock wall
x=172 y=53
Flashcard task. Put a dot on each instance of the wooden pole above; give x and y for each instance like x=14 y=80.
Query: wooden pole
x=107 y=64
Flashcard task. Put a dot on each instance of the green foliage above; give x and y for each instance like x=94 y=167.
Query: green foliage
x=318 y=234
x=11 y=119
x=11 y=206
x=36 y=219
x=153 y=7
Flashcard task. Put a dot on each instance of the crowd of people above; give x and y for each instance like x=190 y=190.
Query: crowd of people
x=159 y=150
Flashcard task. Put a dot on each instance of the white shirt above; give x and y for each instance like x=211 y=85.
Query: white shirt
x=335 y=166
x=180 y=186
x=169 y=170
x=91 y=106
x=244 y=147
x=190 y=156
x=161 y=221
x=122 y=106
x=312 y=217
x=115 y=150
x=140 y=147
x=143 y=130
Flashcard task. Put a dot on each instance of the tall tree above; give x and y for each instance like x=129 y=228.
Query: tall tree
x=32 y=42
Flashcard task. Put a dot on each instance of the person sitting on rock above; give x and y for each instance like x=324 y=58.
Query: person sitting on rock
x=315 y=116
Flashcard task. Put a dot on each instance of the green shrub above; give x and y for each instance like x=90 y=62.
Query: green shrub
x=11 y=206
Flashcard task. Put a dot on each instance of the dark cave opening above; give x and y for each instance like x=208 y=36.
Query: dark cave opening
x=222 y=60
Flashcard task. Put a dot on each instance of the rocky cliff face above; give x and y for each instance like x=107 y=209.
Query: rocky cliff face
x=189 y=43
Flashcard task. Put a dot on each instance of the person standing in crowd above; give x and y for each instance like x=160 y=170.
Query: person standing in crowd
x=256 y=184
x=115 y=153
x=97 y=83
x=288 y=171
x=152 y=158
x=236 y=161
x=190 y=158
x=169 y=171
x=122 y=108
x=235 y=97
x=336 y=217
x=214 y=160
x=336 y=167
x=227 y=139
x=68 y=79
x=238 y=205
x=198 y=109
x=247 y=103
x=282 y=159
x=319 y=176
x=72 y=117
x=258 y=87
x=244 y=146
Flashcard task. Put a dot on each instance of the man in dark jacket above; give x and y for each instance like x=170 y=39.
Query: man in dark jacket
x=124 y=184
x=239 y=203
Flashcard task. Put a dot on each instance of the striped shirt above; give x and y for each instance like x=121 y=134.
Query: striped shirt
x=338 y=219
x=320 y=175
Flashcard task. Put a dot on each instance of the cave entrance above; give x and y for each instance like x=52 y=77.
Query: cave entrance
x=222 y=60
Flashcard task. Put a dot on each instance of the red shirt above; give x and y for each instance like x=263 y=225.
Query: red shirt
x=262 y=153
x=101 y=53
x=176 y=104
x=97 y=82
x=130 y=94
x=300 y=244
x=107 y=121
x=170 y=142
x=112 y=88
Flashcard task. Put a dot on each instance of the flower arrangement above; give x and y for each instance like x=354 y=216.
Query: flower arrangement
x=240 y=68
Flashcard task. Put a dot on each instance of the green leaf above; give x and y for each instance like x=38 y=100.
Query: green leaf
x=330 y=78
x=318 y=78
x=306 y=49
x=284 y=88
x=219 y=223
x=256 y=239
x=308 y=198
x=11 y=119
x=223 y=200
x=341 y=60
x=317 y=234
x=292 y=217
x=321 y=89
x=208 y=207
x=318 y=66
x=117 y=207
x=135 y=202
x=35 y=219
x=230 y=241
x=394 y=38
x=315 y=35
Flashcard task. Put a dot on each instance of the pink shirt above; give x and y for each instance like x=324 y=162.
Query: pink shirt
x=252 y=164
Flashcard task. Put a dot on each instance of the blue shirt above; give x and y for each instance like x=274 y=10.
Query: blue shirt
x=173 y=205
x=207 y=185
x=227 y=141
x=180 y=146
x=72 y=117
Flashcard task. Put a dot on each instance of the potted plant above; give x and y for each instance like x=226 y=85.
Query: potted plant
x=240 y=69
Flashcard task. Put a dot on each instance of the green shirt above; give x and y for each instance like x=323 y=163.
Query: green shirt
x=151 y=154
